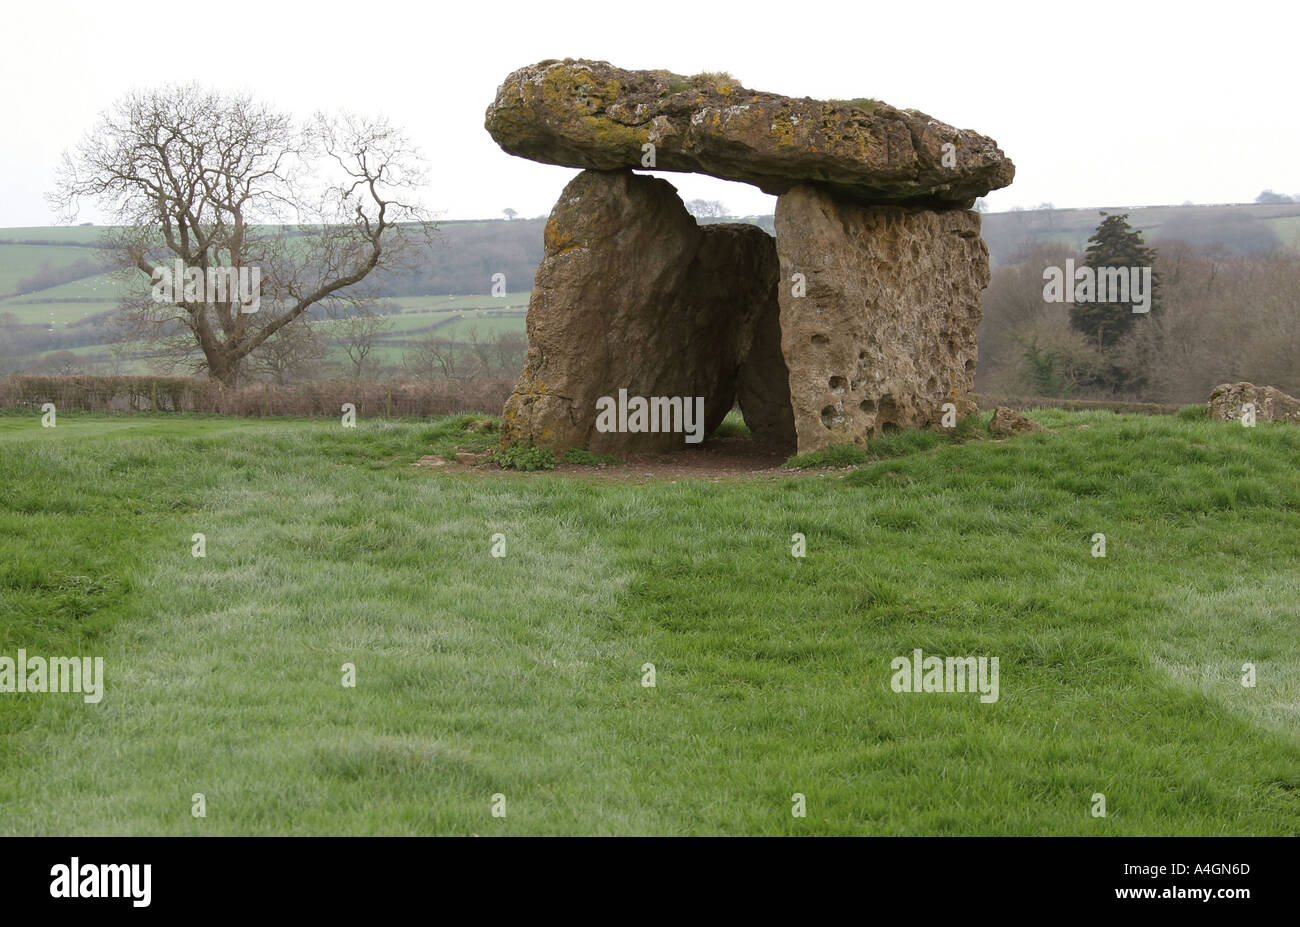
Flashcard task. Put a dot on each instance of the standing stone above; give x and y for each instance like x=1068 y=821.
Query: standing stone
x=734 y=276
x=633 y=294
x=1228 y=401
x=886 y=333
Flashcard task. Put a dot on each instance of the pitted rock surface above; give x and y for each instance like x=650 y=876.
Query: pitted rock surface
x=885 y=333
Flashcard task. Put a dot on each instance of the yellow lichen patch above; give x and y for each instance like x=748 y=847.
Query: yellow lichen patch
x=611 y=136
x=783 y=130
x=552 y=238
x=563 y=86
x=558 y=242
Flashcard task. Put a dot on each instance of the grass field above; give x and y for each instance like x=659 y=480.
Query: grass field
x=56 y=314
x=64 y=234
x=418 y=316
x=106 y=287
x=1288 y=230
x=522 y=675
x=20 y=261
x=485 y=327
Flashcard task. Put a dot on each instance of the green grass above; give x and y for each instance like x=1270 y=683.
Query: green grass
x=893 y=444
x=20 y=261
x=486 y=328
x=106 y=287
x=733 y=426
x=719 y=79
x=1288 y=230
x=837 y=455
x=58 y=314
x=526 y=457
x=866 y=104
x=522 y=674
x=583 y=457
x=470 y=301
x=64 y=234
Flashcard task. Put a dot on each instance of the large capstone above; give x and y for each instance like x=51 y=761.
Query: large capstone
x=879 y=311
x=632 y=295
x=590 y=114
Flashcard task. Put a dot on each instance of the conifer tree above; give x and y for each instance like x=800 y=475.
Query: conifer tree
x=1114 y=244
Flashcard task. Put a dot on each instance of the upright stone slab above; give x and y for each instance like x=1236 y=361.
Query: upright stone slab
x=633 y=294
x=886 y=331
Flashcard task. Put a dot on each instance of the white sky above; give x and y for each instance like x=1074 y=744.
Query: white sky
x=1099 y=103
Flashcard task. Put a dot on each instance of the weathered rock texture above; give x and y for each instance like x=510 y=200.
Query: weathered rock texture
x=633 y=294
x=885 y=333
x=1008 y=422
x=590 y=114
x=1271 y=405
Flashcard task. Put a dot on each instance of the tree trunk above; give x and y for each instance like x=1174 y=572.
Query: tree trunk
x=224 y=370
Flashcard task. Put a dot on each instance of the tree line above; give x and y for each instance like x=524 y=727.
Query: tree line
x=1219 y=315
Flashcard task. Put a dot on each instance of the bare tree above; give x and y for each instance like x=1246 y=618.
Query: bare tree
x=222 y=186
x=1048 y=210
x=291 y=355
x=10 y=354
x=706 y=209
x=509 y=350
x=59 y=363
x=509 y=213
x=430 y=358
x=358 y=334
x=480 y=351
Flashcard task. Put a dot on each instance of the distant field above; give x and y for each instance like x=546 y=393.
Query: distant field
x=485 y=327
x=20 y=261
x=1072 y=227
x=470 y=301
x=101 y=286
x=60 y=314
x=75 y=234
x=1288 y=229
x=387 y=354
x=406 y=328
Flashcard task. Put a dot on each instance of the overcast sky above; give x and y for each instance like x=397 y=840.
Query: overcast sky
x=1128 y=103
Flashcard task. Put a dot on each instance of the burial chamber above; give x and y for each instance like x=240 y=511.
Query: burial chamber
x=859 y=317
